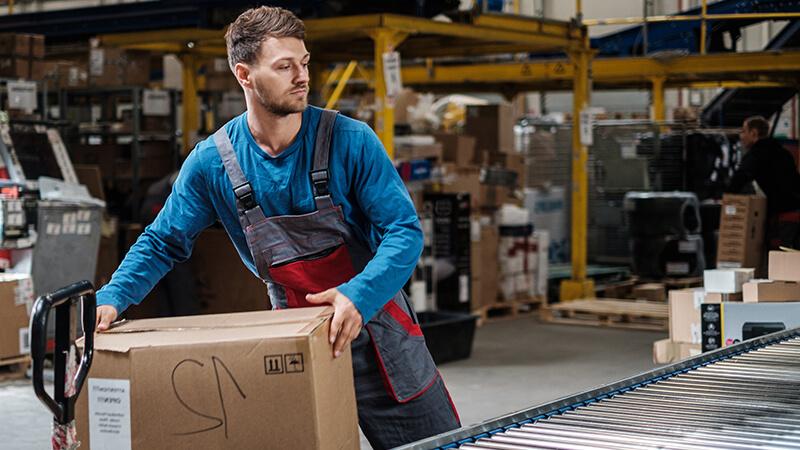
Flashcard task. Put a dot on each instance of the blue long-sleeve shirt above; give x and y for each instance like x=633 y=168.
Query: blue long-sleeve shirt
x=362 y=180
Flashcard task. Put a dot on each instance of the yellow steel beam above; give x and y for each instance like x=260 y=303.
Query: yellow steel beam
x=386 y=40
x=579 y=285
x=191 y=103
x=348 y=72
x=622 y=71
x=691 y=18
x=724 y=84
x=703 y=27
x=658 y=111
x=487 y=28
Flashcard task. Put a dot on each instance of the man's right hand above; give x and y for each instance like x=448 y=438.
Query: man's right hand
x=105 y=315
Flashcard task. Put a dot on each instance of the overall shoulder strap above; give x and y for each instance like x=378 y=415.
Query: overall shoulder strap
x=249 y=210
x=319 y=172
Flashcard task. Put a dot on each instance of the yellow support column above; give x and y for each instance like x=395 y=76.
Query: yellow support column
x=579 y=286
x=657 y=109
x=191 y=105
x=385 y=41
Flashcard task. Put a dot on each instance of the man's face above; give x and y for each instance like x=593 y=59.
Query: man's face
x=748 y=136
x=280 y=76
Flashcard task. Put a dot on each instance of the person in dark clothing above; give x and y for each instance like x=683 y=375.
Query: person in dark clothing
x=774 y=169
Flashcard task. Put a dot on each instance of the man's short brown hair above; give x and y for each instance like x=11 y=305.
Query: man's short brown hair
x=254 y=26
x=758 y=123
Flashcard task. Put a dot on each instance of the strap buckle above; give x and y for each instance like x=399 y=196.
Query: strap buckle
x=244 y=193
x=319 y=179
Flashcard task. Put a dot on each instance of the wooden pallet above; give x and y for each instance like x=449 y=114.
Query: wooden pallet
x=14 y=368
x=508 y=309
x=614 y=313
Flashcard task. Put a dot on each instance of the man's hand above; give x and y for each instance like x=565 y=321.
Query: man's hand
x=105 y=315
x=346 y=323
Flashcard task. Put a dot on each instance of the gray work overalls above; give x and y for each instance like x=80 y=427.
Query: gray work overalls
x=400 y=394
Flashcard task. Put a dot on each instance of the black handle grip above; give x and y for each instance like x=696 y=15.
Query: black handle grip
x=62 y=406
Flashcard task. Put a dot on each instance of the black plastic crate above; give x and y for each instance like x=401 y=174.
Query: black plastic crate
x=448 y=334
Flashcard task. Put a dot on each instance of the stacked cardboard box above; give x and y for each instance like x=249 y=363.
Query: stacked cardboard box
x=65 y=74
x=684 y=327
x=783 y=284
x=248 y=380
x=112 y=67
x=219 y=77
x=21 y=56
x=492 y=126
x=485 y=239
x=741 y=231
x=16 y=300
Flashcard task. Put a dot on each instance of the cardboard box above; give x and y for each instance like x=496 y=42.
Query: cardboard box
x=654 y=292
x=741 y=231
x=451 y=241
x=413 y=152
x=457 y=148
x=19 y=67
x=492 y=126
x=222 y=82
x=19 y=44
x=118 y=67
x=726 y=281
x=484 y=266
x=16 y=300
x=784 y=266
x=666 y=351
x=760 y=291
x=716 y=297
x=744 y=321
x=684 y=315
x=66 y=74
x=248 y=380
x=482 y=196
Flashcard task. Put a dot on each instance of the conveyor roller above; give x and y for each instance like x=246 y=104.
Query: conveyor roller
x=739 y=397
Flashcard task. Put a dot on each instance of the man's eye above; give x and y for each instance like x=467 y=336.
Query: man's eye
x=283 y=67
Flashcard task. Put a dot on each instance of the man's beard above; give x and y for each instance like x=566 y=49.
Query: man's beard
x=280 y=107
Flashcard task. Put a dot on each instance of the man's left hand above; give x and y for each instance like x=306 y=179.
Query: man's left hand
x=346 y=323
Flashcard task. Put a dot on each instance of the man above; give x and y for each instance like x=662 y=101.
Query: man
x=775 y=170
x=315 y=209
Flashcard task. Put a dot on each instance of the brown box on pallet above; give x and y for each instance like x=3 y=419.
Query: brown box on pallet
x=19 y=44
x=654 y=292
x=16 y=299
x=222 y=82
x=741 y=231
x=485 y=238
x=457 y=148
x=492 y=126
x=762 y=291
x=666 y=351
x=784 y=266
x=684 y=315
x=111 y=67
x=263 y=379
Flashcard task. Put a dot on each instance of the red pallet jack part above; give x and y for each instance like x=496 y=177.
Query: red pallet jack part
x=69 y=376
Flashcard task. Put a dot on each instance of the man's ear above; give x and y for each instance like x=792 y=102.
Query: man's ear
x=242 y=73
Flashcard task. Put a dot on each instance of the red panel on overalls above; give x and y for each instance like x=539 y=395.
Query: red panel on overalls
x=303 y=277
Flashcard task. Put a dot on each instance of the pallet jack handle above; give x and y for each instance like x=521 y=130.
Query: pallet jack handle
x=62 y=404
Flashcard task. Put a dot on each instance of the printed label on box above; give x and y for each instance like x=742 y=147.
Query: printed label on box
x=24 y=341
x=110 y=413
x=23 y=292
x=730 y=210
x=699 y=296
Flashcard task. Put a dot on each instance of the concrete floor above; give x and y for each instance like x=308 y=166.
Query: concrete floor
x=515 y=364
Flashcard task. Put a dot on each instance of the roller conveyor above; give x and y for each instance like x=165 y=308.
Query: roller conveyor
x=739 y=397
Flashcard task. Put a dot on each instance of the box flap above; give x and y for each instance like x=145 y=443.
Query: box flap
x=212 y=328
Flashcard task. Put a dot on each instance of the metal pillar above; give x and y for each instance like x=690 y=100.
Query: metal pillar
x=337 y=92
x=579 y=286
x=657 y=108
x=191 y=105
x=385 y=41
